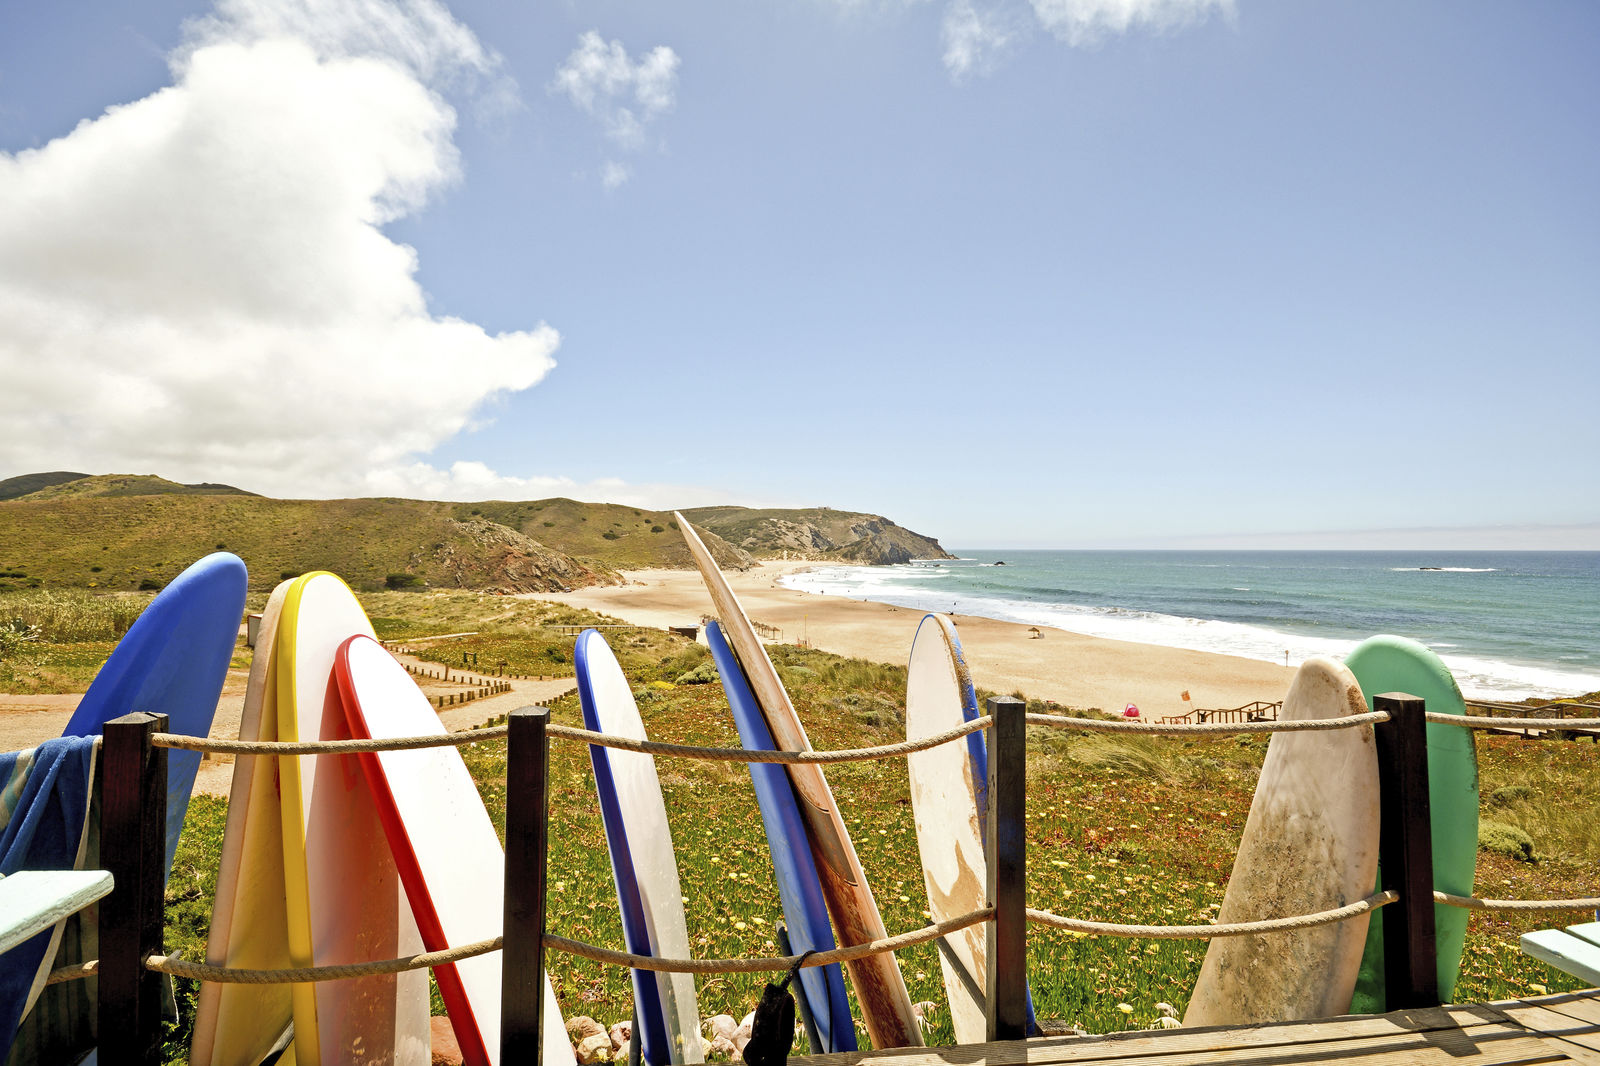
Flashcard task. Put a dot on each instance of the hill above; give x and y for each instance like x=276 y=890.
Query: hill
x=609 y=534
x=121 y=485
x=120 y=532
x=817 y=533
x=23 y=484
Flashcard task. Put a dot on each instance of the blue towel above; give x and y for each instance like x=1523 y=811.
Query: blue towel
x=44 y=806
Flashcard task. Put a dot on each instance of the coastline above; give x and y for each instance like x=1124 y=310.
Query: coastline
x=1069 y=668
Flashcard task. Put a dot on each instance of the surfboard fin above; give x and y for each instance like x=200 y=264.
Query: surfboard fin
x=772 y=1031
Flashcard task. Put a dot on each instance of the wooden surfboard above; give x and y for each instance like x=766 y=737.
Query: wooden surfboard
x=1309 y=844
x=343 y=896
x=643 y=863
x=446 y=847
x=880 y=988
x=949 y=801
x=1395 y=664
x=249 y=926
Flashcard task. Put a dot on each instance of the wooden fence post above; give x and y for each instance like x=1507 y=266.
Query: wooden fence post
x=1405 y=853
x=133 y=846
x=1006 y=946
x=527 y=850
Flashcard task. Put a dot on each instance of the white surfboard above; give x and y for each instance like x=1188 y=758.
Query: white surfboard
x=448 y=853
x=1310 y=844
x=643 y=862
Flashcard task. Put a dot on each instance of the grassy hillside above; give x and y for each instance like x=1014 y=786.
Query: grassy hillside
x=817 y=533
x=23 y=484
x=134 y=542
x=125 y=485
x=607 y=534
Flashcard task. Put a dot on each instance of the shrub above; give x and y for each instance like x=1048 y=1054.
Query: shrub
x=1502 y=838
x=402 y=581
x=611 y=534
x=704 y=674
x=1504 y=797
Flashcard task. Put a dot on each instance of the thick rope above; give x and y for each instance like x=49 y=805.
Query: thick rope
x=603 y=740
x=1206 y=932
x=1473 y=903
x=1313 y=725
x=1498 y=721
x=881 y=751
x=324 y=747
x=768 y=965
x=306 y=974
x=76 y=972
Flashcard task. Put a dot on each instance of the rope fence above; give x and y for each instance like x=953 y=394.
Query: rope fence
x=1402 y=770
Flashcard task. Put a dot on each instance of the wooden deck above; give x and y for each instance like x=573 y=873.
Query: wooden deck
x=1550 y=1029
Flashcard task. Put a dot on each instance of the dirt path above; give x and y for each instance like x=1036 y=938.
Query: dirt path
x=27 y=720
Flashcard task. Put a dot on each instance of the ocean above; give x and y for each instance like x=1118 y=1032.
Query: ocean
x=1510 y=625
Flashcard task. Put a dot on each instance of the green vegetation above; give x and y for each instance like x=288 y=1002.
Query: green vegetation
x=816 y=533
x=1512 y=841
x=1120 y=829
x=23 y=484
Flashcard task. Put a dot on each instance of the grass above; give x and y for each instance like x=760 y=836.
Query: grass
x=1123 y=830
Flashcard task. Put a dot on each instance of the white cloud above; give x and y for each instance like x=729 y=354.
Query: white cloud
x=613 y=174
x=1087 y=22
x=975 y=37
x=196 y=283
x=624 y=95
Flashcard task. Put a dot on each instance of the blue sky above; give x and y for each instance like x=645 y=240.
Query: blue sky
x=1045 y=273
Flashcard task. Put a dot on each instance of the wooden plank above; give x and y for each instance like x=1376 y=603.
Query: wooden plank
x=1584 y=1006
x=1006 y=946
x=527 y=844
x=32 y=901
x=1568 y=953
x=133 y=819
x=1405 y=844
x=1584 y=1037
x=1455 y=1025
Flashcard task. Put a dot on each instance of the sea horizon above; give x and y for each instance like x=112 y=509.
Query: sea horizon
x=1510 y=624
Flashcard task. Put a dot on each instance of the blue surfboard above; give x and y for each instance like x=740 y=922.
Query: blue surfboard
x=173 y=661
x=642 y=864
x=799 y=890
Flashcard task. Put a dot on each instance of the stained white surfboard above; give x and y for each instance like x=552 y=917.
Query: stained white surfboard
x=343 y=894
x=1310 y=844
x=945 y=804
x=444 y=844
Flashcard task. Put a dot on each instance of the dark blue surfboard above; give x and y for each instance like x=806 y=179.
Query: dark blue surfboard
x=173 y=661
x=799 y=890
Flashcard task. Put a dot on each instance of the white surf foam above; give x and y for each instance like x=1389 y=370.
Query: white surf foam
x=904 y=587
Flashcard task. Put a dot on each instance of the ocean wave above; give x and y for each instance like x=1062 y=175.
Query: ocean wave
x=1446 y=569
x=1477 y=675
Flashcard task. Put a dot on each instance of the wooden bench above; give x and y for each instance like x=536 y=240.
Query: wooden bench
x=32 y=901
x=1574 y=950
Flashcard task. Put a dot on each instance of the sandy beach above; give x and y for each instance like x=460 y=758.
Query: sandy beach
x=1005 y=657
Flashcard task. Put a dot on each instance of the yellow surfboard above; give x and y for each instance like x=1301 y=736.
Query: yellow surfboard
x=344 y=899
x=249 y=928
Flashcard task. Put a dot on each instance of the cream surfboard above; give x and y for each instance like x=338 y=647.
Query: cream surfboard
x=879 y=986
x=949 y=801
x=239 y=1023
x=643 y=863
x=1310 y=844
x=446 y=847
x=343 y=896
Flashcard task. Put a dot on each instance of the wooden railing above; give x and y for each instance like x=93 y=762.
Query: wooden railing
x=1256 y=711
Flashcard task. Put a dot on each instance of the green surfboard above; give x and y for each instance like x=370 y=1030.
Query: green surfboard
x=1395 y=664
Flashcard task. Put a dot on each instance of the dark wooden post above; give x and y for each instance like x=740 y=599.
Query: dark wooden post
x=1405 y=854
x=527 y=847
x=1006 y=946
x=133 y=846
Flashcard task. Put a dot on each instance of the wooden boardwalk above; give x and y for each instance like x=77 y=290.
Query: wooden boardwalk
x=1549 y=1029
